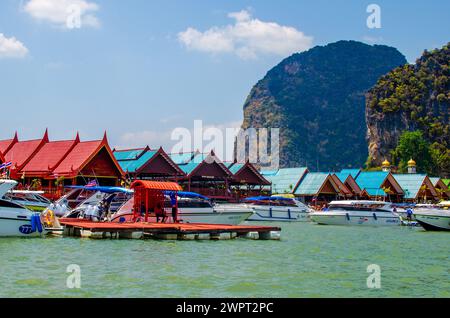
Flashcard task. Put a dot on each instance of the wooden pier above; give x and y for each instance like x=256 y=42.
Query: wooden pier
x=166 y=231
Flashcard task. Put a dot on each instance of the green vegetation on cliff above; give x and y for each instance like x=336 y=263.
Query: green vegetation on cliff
x=413 y=98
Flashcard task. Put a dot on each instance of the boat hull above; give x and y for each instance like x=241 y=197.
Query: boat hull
x=10 y=227
x=433 y=222
x=279 y=215
x=327 y=218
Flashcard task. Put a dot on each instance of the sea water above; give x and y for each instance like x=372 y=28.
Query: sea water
x=310 y=261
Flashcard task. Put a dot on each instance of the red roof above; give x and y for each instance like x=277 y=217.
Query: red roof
x=156 y=185
x=2 y=159
x=49 y=156
x=5 y=145
x=79 y=155
x=22 y=151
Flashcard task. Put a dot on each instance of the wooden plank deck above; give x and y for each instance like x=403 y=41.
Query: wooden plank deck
x=165 y=228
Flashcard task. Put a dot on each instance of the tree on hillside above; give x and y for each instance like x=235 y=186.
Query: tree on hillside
x=412 y=145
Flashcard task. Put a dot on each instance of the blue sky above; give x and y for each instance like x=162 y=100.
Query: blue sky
x=129 y=69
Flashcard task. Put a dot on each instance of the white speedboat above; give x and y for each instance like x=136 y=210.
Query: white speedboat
x=277 y=209
x=372 y=213
x=15 y=219
x=193 y=208
x=434 y=218
x=32 y=200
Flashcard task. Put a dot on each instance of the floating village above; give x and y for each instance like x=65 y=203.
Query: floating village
x=87 y=189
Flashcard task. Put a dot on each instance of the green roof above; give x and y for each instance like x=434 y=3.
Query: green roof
x=447 y=182
x=410 y=183
x=136 y=164
x=311 y=183
x=372 y=181
x=285 y=180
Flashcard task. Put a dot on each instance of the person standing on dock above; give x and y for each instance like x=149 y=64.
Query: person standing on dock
x=409 y=213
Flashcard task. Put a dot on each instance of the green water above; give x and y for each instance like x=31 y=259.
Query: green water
x=309 y=261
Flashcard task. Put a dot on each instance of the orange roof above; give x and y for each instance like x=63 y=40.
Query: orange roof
x=22 y=151
x=49 y=156
x=156 y=185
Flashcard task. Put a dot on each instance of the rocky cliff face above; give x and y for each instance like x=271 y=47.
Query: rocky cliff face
x=317 y=99
x=409 y=98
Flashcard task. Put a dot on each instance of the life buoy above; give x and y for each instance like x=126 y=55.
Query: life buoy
x=49 y=217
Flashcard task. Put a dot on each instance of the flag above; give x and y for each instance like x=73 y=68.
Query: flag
x=5 y=165
x=92 y=183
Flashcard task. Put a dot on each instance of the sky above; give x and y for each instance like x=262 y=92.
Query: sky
x=139 y=69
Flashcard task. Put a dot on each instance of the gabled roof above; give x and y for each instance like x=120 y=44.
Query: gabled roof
x=2 y=159
x=134 y=165
x=130 y=154
x=412 y=184
x=372 y=182
x=285 y=180
x=349 y=182
x=247 y=173
x=446 y=182
x=80 y=156
x=22 y=151
x=49 y=156
x=353 y=172
x=313 y=182
x=201 y=161
x=343 y=189
x=136 y=160
x=5 y=145
x=183 y=158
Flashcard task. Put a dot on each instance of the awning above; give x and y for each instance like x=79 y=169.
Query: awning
x=156 y=185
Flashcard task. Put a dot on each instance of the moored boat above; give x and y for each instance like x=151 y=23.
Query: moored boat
x=193 y=208
x=434 y=218
x=358 y=212
x=277 y=209
x=15 y=219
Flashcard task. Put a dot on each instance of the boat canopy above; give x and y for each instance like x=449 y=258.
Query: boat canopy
x=273 y=198
x=190 y=195
x=108 y=190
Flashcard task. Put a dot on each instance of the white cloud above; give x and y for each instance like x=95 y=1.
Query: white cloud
x=11 y=48
x=247 y=38
x=67 y=14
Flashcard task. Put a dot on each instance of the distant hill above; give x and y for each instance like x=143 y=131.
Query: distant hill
x=317 y=99
x=412 y=98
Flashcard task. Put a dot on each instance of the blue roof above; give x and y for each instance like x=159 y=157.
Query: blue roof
x=136 y=164
x=235 y=167
x=372 y=181
x=285 y=180
x=189 y=167
x=353 y=172
x=182 y=158
x=128 y=154
x=266 y=173
x=342 y=176
x=410 y=183
x=311 y=183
